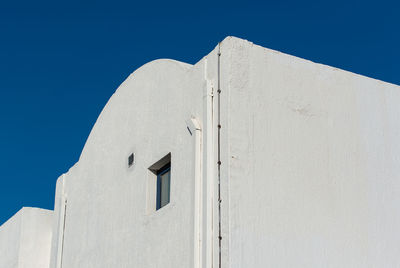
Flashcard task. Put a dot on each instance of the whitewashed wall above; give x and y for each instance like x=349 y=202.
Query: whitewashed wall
x=10 y=233
x=311 y=163
x=25 y=239
x=108 y=219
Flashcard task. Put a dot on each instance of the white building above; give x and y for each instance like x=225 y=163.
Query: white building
x=249 y=158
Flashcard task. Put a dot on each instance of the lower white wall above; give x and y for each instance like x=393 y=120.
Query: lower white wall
x=25 y=239
x=36 y=235
x=10 y=233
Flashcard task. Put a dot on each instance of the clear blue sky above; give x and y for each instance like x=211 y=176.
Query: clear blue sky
x=60 y=61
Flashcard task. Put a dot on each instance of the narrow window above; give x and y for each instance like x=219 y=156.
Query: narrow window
x=163 y=185
x=159 y=184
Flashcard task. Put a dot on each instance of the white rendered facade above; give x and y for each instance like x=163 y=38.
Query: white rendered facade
x=291 y=163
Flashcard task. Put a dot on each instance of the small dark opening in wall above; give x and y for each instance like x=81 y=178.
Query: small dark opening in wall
x=131 y=160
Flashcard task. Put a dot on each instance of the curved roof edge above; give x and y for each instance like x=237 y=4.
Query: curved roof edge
x=154 y=64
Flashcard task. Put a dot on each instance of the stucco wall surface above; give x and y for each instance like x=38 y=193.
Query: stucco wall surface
x=25 y=239
x=10 y=233
x=109 y=217
x=310 y=163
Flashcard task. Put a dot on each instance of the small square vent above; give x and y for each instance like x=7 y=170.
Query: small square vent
x=131 y=160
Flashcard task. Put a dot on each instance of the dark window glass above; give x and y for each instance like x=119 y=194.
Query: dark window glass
x=163 y=186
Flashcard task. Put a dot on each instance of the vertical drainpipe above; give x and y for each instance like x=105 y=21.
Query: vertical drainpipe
x=195 y=128
x=61 y=229
x=219 y=157
x=210 y=182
